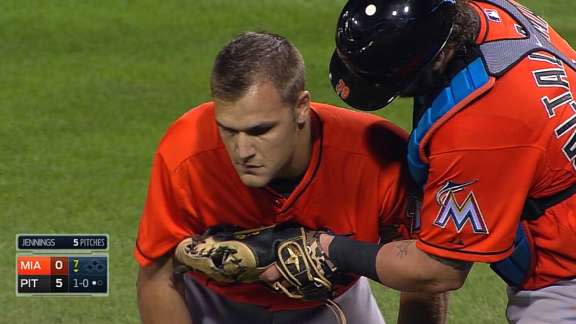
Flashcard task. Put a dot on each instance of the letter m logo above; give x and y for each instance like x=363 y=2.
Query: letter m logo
x=461 y=214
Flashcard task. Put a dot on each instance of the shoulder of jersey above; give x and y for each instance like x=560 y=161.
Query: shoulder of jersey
x=193 y=133
x=496 y=23
x=359 y=132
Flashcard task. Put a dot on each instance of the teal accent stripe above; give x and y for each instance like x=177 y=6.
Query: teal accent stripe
x=471 y=78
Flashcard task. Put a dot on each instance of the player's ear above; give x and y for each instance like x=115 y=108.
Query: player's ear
x=303 y=108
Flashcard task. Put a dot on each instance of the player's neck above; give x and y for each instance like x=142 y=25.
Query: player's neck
x=302 y=155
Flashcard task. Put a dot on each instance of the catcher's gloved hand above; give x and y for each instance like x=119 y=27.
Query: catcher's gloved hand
x=242 y=256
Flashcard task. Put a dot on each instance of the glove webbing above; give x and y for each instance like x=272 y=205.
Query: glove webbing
x=319 y=277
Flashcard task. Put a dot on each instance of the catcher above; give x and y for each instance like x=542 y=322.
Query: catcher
x=260 y=154
x=493 y=146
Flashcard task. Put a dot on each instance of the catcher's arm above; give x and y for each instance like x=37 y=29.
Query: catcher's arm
x=415 y=307
x=160 y=295
x=399 y=265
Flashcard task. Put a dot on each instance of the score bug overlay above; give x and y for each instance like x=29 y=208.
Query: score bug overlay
x=37 y=242
x=62 y=265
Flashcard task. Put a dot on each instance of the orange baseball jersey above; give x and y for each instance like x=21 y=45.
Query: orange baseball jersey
x=517 y=140
x=352 y=185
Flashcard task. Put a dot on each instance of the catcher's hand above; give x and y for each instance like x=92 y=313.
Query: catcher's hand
x=243 y=256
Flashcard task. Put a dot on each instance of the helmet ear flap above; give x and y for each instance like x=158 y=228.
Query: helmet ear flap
x=356 y=91
x=382 y=46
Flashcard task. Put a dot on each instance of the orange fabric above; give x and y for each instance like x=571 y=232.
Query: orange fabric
x=504 y=147
x=352 y=185
x=491 y=30
x=453 y=111
x=33 y=265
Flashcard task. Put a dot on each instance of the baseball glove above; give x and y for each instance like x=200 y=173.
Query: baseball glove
x=241 y=256
x=305 y=267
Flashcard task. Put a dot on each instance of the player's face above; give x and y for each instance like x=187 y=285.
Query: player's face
x=432 y=78
x=261 y=133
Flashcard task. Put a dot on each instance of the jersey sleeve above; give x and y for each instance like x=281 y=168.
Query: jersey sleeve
x=166 y=218
x=473 y=201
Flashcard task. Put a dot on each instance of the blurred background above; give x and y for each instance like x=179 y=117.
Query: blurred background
x=87 y=89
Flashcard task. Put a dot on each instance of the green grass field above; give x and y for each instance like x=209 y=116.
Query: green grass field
x=87 y=89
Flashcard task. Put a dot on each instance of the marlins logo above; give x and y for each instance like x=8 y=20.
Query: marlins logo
x=460 y=214
x=342 y=89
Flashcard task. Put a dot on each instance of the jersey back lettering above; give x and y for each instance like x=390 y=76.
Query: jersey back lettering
x=517 y=141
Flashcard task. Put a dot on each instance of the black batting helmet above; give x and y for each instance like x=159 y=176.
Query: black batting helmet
x=382 y=45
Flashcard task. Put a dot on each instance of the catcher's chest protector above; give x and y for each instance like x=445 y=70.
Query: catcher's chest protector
x=474 y=80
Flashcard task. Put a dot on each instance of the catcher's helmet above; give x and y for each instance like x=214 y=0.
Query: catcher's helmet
x=382 y=45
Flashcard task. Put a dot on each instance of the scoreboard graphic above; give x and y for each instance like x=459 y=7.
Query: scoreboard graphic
x=62 y=265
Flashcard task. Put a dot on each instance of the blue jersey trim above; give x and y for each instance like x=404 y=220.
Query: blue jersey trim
x=463 y=84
